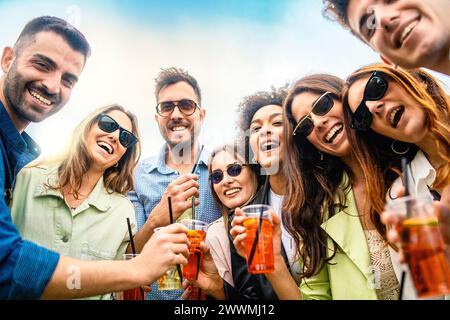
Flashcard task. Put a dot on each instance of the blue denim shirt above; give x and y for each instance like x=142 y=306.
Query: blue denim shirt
x=25 y=268
x=152 y=178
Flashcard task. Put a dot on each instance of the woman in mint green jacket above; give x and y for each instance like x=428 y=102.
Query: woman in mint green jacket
x=340 y=239
x=76 y=204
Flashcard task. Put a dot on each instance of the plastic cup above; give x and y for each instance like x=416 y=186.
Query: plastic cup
x=132 y=294
x=196 y=235
x=262 y=260
x=171 y=280
x=423 y=245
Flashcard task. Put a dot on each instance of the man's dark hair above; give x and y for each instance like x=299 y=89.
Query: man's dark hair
x=251 y=104
x=336 y=10
x=69 y=33
x=174 y=75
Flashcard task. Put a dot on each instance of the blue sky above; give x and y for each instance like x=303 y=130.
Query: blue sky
x=233 y=47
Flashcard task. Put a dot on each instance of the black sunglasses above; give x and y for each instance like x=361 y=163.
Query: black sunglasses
x=233 y=170
x=320 y=107
x=186 y=107
x=109 y=125
x=375 y=89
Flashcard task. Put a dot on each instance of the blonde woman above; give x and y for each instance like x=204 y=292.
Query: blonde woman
x=76 y=204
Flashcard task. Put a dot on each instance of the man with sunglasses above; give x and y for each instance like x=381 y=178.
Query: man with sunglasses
x=39 y=73
x=407 y=33
x=179 y=116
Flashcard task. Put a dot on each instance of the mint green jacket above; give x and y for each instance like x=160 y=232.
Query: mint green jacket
x=96 y=230
x=348 y=276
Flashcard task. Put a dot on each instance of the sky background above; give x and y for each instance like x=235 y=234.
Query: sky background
x=234 y=48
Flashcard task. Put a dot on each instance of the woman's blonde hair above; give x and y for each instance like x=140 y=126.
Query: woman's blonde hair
x=75 y=161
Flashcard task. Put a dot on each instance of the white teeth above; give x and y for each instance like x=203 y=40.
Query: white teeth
x=232 y=191
x=333 y=132
x=40 y=98
x=180 y=128
x=106 y=146
x=407 y=31
x=393 y=114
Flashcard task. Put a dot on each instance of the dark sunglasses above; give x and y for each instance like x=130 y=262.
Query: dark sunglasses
x=109 y=125
x=186 y=107
x=320 y=107
x=375 y=89
x=233 y=170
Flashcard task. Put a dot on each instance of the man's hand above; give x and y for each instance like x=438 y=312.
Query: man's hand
x=181 y=191
x=164 y=250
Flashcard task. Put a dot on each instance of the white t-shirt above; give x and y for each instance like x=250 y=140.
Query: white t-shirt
x=423 y=176
x=276 y=202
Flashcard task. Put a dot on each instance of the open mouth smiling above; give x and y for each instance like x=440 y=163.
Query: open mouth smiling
x=106 y=146
x=334 y=132
x=269 y=145
x=406 y=32
x=39 y=98
x=395 y=115
x=232 y=192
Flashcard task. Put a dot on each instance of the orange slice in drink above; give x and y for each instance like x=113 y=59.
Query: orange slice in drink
x=421 y=221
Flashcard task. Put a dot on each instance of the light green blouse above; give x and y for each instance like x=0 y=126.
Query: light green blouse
x=348 y=276
x=96 y=230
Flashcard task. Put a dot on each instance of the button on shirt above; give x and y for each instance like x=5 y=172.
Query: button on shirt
x=152 y=178
x=25 y=268
x=96 y=230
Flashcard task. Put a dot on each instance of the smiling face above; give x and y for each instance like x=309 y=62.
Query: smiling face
x=40 y=77
x=396 y=115
x=178 y=128
x=104 y=148
x=266 y=136
x=233 y=192
x=329 y=134
x=410 y=33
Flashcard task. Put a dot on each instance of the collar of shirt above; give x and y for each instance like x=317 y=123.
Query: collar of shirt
x=96 y=198
x=13 y=139
x=161 y=166
x=422 y=170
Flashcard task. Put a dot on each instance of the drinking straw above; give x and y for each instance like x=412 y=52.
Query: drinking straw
x=198 y=160
x=193 y=171
x=180 y=274
x=133 y=249
x=408 y=215
x=258 y=231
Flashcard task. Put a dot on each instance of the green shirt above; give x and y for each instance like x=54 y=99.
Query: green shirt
x=96 y=230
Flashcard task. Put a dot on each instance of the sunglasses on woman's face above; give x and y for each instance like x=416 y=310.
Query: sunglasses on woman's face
x=109 y=125
x=233 y=170
x=320 y=107
x=375 y=90
x=186 y=107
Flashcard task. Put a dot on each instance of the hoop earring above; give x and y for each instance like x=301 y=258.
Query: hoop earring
x=116 y=165
x=399 y=152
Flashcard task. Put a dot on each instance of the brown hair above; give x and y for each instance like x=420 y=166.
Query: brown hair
x=75 y=161
x=174 y=75
x=313 y=184
x=373 y=151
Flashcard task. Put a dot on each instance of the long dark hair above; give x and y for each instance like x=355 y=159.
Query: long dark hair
x=314 y=187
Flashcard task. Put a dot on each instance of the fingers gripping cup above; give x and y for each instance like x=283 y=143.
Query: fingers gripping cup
x=423 y=245
x=196 y=235
x=172 y=279
x=258 y=244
